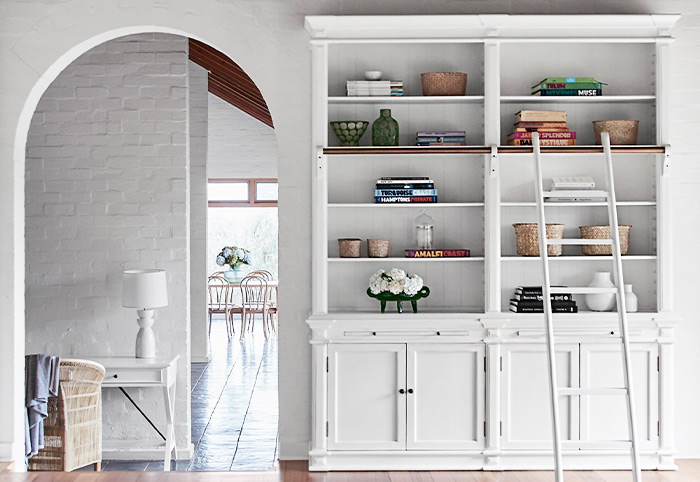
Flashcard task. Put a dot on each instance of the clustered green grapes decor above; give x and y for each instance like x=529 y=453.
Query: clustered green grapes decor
x=349 y=132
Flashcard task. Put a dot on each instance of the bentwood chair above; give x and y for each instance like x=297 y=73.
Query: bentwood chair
x=271 y=301
x=219 y=301
x=254 y=301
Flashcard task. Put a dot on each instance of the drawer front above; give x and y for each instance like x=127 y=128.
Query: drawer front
x=120 y=377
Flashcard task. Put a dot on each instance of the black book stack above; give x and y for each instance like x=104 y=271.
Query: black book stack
x=528 y=299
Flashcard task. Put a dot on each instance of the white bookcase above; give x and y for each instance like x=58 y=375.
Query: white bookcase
x=483 y=189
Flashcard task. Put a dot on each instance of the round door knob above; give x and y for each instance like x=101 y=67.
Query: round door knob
x=402 y=391
x=114 y=376
x=410 y=390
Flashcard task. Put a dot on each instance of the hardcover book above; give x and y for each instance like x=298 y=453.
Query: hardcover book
x=543 y=142
x=535 y=289
x=566 y=309
x=569 y=92
x=390 y=179
x=440 y=133
x=421 y=143
x=539 y=296
x=538 y=304
x=437 y=253
x=541 y=115
x=407 y=185
x=405 y=199
x=569 y=85
x=537 y=125
x=543 y=135
x=440 y=138
x=405 y=192
x=567 y=80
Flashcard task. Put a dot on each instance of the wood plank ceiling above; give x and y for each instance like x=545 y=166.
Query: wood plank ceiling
x=229 y=82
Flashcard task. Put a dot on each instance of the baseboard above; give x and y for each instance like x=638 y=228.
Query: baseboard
x=294 y=451
x=200 y=358
x=129 y=450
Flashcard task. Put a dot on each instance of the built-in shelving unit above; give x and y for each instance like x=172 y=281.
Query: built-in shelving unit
x=464 y=328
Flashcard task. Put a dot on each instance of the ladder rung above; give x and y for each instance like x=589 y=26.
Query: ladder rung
x=581 y=290
x=592 y=391
x=579 y=241
x=581 y=193
x=596 y=444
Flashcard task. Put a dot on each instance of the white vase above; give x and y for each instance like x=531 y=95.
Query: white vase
x=630 y=300
x=601 y=301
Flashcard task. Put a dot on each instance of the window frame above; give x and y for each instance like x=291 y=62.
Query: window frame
x=252 y=193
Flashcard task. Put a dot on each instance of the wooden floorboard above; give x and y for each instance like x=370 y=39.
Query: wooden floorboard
x=297 y=471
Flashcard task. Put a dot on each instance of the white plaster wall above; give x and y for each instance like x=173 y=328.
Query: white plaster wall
x=239 y=145
x=106 y=191
x=198 y=125
x=267 y=39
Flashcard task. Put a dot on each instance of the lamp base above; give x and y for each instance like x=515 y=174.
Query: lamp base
x=145 y=339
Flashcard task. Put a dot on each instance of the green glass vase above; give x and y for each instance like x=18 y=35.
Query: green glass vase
x=385 y=130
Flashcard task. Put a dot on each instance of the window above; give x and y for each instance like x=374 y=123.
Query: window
x=242 y=192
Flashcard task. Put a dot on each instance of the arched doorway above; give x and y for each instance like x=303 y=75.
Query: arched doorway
x=52 y=59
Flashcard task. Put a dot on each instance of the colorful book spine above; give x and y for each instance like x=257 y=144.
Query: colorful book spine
x=569 y=85
x=405 y=192
x=404 y=178
x=538 y=125
x=441 y=134
x=567 y=80
x=563 y=309
x=440 y=138
x=543 y=142
x=569 y=92
x=421 y=143
x=408 y=185
x=543 y=135
x=405 y=199
x=437 y=253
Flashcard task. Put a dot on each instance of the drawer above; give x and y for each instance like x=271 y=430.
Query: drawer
x=121 y=377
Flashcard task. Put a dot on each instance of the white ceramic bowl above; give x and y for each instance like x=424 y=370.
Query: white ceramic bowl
x=373 y=74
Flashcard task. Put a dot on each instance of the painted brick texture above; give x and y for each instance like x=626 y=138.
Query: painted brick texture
x=106 y=191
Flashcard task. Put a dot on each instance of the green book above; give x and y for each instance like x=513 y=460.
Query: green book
x=566 y=80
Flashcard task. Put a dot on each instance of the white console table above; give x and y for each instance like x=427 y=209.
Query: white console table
x=124 y=372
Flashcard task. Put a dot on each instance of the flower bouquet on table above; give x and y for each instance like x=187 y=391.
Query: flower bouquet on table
x=397 y=286
x=234 y=258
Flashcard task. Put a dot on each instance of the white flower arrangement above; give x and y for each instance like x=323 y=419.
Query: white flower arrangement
x=396 y=281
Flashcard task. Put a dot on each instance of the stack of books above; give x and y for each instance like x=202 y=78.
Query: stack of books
x=441 y=138
x=571 y=86
x=550 y=124
x=374 y=88
x=528 y=299
x=574 y=184
x=405 y=189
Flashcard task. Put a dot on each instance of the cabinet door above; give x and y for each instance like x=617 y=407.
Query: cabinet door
x=446 y=408
x=525 y=407
x=604 y=417
x=365 y=409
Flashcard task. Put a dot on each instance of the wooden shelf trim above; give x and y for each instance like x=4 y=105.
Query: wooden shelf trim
x=407 y=260
x=503 y=149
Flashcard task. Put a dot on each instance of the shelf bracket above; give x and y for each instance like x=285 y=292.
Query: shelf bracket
x=666 y=166
x=493 y=161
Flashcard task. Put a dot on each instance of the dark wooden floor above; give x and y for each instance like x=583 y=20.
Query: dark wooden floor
x=296 y=471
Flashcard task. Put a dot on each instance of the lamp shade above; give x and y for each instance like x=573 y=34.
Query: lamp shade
x=144 y=289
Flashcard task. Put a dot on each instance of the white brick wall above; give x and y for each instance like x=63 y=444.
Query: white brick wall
x=239 y=145
x=198 y=123
x=106 y=191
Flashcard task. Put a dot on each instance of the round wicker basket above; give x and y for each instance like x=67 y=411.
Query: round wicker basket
x=527 y=240
x=444 y=83
x=603 y=232
x=349 y=247
x=622 y=132
x=378 y=248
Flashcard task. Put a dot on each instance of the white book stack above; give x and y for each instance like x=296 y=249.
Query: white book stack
x=574 y=184
x=374 y=88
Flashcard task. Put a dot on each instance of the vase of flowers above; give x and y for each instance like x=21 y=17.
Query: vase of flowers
x=234 y=258
x=397 y=286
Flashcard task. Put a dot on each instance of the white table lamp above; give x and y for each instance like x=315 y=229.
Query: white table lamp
x=144 y=289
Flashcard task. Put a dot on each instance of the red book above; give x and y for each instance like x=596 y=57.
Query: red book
x=543 y=135
x=437 y=253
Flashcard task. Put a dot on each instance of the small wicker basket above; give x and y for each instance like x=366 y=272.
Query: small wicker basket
x=349 y=247
x=622 y=132
x=444 y=83
x=378 y=248
x=603 y=232
x=527 y=241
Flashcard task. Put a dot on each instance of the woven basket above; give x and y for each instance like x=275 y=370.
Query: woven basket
x=603 y=232
x=527 y=241
x=622 y=132
x=444 y=83
x=349 y=247
x=378 y=248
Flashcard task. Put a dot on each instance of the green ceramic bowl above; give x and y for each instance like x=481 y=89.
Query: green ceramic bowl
x=349 y=132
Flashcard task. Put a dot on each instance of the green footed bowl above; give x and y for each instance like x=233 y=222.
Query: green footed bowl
x=386 y=296
x=349 y=132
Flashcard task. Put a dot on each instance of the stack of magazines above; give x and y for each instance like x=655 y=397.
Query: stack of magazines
x=374 y=88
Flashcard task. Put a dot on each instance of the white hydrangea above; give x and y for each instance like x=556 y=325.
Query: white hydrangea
x=396 y=281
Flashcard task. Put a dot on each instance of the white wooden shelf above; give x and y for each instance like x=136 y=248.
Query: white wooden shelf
x=405 y=205
x=576 y=204
x=407 y=260
x=502 y=149
x=566 y=99
x=577 y=258
x=409 y=99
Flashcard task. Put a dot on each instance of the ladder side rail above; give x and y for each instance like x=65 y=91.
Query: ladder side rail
x=547 y=305
x=621 y=308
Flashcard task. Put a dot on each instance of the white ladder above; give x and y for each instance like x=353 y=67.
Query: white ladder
x=548 y=290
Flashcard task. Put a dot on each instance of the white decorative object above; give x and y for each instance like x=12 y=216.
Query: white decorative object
x=424 y=230
x=144 y=289
x=601 y=301
x=396 y=281
x=373 y=75
x=630 y=300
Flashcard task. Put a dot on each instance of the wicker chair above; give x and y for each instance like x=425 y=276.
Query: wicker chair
x=73 y=429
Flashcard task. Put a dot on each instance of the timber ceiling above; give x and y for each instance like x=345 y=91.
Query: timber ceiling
x=229 y=82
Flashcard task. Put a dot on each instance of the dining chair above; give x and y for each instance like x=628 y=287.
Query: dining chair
x=219 y=299
x=254 y=301
x=271 y=301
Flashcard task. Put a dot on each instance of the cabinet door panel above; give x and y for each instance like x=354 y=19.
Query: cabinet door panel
x=365 y=409
x=604 y=417
x=446 y=408
x=525 y=409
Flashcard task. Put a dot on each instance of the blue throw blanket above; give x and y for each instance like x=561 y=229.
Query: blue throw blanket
x=41 y=381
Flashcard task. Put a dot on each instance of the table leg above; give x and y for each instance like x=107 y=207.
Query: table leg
x=170 y=444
